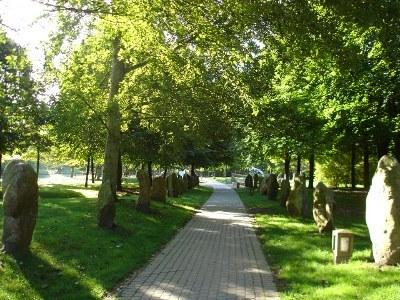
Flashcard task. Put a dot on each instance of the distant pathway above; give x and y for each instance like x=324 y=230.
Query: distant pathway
x=215 y=256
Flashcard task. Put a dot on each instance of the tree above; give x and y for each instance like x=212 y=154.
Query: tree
x=17 y=96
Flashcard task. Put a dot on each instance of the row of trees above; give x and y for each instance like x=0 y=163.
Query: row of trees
x=171 y=82
x=325 y=83
x=22 y=115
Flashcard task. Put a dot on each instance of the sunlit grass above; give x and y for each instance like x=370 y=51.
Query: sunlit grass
x=226 y=180
x=73 y=259
x=302 y=259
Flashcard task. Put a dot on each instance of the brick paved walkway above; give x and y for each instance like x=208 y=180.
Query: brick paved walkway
x=216 y=256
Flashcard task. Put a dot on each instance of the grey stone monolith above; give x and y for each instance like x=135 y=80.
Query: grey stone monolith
x=179 y=185
x=20 y=203
x=264 y=185
x=143 y=203
x=323 y=201
x=186 y=182
x=383 y=212
x=272 y=187
x=196 y=179
x=248 y=181
x=172 y=182
x=159 y=189
x=285 y=191
x=296 y=197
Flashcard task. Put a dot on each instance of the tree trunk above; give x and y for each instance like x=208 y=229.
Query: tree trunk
x=353 y=167
x=396 y=150
x=150 y=172
x=119 y=178
x=143 y=202
x=192 y=172
x=367 y=182
x=37 y=161
x=311 y=170
x=1 y=165
x=92 y=168
x=287 y=165
x=165 y=172
x=108 y=189
x=87 y=171
x=72 y=171
x=382 y=147
x=98 y=173
x=298 y=165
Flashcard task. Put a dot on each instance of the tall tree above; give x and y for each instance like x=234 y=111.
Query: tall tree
x=17 y=96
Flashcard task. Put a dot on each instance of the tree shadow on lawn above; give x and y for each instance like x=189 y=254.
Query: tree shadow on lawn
x=58 y=192
x=52 y=282
x=73 y=259
x=302 y=258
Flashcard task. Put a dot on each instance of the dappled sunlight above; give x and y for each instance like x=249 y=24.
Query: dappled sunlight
x=42 y=268
x=73 y=259
x=177 y=287
x=86 y=193
x=216 y=256
x=205 y=230
x=222 y=215
x=59 y=179
x=302 y=258
x=67 y=191
x=164 y=291
x=185 y=207
x=255 y=271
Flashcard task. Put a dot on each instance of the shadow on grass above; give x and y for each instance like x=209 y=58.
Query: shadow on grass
x=58 y=191
x=73 y=259
x=51 y=282
x=302 y=258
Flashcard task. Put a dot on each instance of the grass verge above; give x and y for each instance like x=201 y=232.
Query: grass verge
x=73 y=259
x=301 y=258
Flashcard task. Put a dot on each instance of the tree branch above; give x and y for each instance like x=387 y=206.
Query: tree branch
x=128 y=68
x=81 y=10
x=6 y=26
x=99 y=117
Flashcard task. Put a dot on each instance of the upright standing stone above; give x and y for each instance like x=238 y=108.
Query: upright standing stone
x=272 y=187
x=196 y=180
x=159 y=189
x=323 y=208
x=285 y=191
x=20 y=198
x=248 y=182
x=306 y=206
x=260 y=180
x=255 y=178
x=143 y=203
x=264 y=185
x=185 y=182
x=179 y=185
x=296 y=197
x=170 y=187
x=191 y=182
x=383 y=212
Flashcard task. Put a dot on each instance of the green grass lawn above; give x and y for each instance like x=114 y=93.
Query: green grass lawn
x=130 y=182
x=301 y=258
x=73 y=259
x=226 y=180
